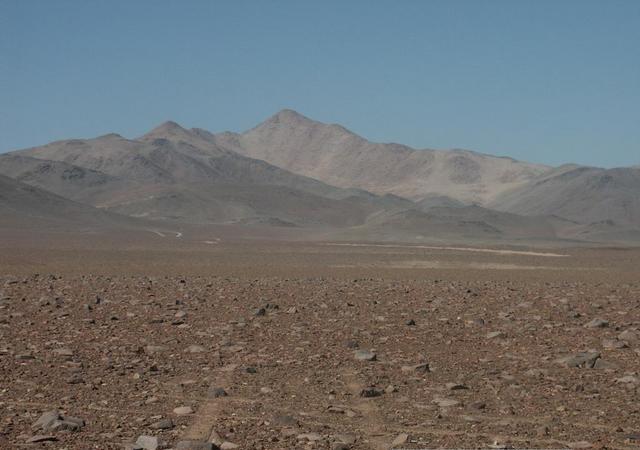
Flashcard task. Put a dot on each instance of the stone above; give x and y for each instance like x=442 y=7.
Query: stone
x=418 y=368
x=445 y=402
x=597 y=323
x=64 y=352
x=162 y=424
x=364 y=355
x=228 y=446
x=581 y=359
x=401 y=439
x=370 y=392
x=613 y=344
x=217 y=392
x=628 y=379
x=411 y=323
x=41 y=438
x=68 y=424
x=145 y=442
x=496 y=334
x=45 y=420
x=183 y=410
x=629 y=336
x=309 y=437
x=479 y=405
x=456 y=386
x=260 y=312
x=196 y=349
x=580 y=444
x=605 y=365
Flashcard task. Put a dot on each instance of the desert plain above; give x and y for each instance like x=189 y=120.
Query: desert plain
x=270 y=340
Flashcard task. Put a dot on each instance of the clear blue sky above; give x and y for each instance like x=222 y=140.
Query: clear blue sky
x=546 y=81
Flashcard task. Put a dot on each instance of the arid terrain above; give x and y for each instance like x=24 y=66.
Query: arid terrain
x=276 y=342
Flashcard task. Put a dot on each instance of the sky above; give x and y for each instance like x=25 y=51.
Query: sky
x=544 y=81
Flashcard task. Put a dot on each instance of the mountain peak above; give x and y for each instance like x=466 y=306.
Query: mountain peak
x=166 y=130
x=288 y=116
x=169 y=125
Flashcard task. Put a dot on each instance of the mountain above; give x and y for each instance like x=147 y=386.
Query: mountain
x=335 y=155
x=366 y=190
x=27 y=207
x=176 y=174
x=587 y=195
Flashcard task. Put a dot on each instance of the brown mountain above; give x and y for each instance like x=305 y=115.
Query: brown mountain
x=335 y=155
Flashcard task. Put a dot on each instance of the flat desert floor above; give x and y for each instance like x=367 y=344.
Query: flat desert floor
x=274 y=344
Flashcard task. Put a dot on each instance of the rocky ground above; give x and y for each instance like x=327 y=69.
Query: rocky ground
x=269 y=362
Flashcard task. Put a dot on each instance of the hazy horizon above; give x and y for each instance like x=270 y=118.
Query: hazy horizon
x=545 y=82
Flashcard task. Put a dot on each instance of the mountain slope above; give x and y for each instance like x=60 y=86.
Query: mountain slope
x=335 y=155
x=583 y=194
x=26 y=207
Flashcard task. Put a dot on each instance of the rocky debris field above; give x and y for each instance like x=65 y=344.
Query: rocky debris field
x=98 y=362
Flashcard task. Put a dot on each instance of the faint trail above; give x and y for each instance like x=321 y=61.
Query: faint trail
x=373 y=423
x=202 y=428
x=461 y=249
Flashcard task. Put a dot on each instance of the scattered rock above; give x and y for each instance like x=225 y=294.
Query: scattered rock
x=582 y=359
x=309 y=437
x=364 y=355
x=445 y=402
x=196 y=349
x=370 y=392
x=597 y=323
x=46 y=419
x=162 y=424
x=41 y=438
x=418 y=368
x=496 y=335
x=456 y=386
x=151 y=349
x=147 y=443
x=217 y=392
x=629 y=336
x=401 y=439
x=183 y=410
x=580 y=444
x=613 y=344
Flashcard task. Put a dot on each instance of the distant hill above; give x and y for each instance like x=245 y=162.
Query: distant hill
x=27 y=207
x=583 y=194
